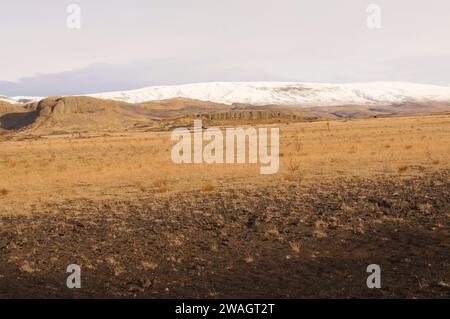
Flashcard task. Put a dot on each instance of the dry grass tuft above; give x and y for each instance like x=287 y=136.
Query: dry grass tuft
x=249 y=259
x=272 y=231
x=289 y=178
x=141 y=187
x=295 y=247
x=320 y=229
x=161 y=185
x=61 y=168
x=298 y=145
x=293 y=168
x=208 y=188
x=403 y=168
x=149 y=265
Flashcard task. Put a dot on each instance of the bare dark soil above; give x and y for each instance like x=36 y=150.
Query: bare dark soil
x=280 y=241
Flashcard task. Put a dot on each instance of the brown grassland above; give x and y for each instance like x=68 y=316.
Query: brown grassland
x=349 y=193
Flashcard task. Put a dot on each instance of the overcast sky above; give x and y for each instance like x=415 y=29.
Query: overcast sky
x=126 y=44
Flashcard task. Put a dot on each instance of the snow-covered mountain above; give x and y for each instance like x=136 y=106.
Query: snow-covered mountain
x=6 y=99
x=283 y=93
x=20 y=99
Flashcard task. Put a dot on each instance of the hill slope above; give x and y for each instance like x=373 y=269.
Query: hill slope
x=71 y=113
x=89 y=114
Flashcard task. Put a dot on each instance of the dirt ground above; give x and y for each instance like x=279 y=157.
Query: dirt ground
x=349 y=194
x=279 y=242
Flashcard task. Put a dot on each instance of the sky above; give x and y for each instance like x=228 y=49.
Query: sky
x=129 y=44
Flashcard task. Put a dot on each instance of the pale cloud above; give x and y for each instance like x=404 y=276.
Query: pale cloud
x=234 y=40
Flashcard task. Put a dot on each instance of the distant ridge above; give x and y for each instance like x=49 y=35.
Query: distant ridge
x=280 y=93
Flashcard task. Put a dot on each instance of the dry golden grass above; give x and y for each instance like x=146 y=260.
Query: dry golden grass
x=54 y=168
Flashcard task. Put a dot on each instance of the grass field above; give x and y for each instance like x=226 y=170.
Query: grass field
x=349 y=193
x=54 y=168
